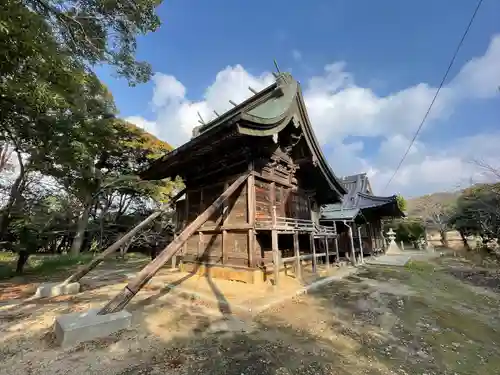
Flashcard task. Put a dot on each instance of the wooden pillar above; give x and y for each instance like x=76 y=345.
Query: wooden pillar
x=327 y=253
x=296 y=250
x=276 y=256
x=360 y=245
x=313 y=249
x=174 y=258
x=336 y=243
x=337 y=253
x=251 y=215
x=274 y=236
x=351 y=241
x=225 y=247
x=186 y=223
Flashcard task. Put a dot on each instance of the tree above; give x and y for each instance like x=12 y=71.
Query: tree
x=46 y=96
x=478 y=212
x=407 y=230
x=96 y=31
x=402 y=204
x=435 y=214
x=101 y=171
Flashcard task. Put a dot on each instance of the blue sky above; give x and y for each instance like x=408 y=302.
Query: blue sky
x=368 y=71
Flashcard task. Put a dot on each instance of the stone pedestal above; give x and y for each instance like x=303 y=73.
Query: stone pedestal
x=56 y=289
x=71 y=329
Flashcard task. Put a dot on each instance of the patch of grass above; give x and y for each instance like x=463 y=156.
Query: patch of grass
x=40 y=264
x=43 y=264
x=445 y=327
x=7 y=264
x=420 y=267
x=48 y=264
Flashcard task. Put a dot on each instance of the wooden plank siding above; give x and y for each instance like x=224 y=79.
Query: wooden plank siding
x=229 y=237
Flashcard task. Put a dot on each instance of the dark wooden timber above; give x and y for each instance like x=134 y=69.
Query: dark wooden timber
x=327 y=253
x=251 y=215
x=123 y=298
x=115 y=246
x=351 y=240
x=276 y=257
x=360 y=244
x=313 y=250
x=298 y=272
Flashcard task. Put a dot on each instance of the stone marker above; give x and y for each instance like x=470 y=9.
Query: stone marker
x=73 y=328
x=56 y=289
x=393 y=247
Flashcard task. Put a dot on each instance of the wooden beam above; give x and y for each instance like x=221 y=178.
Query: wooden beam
x=251 y=248
x=186 y=223
x=201 y=250
x=251 y=195
x=351 y=241
x=296 y=250
x=251 y=214
x=313 y=249
x=115 y=246
x=233 y=226
x=360 y=244
x=194 y=181
x=225 y=248
x=276 y=256
x=122 y=299
x=327 y=253
x=269 y=178
x=336 y=245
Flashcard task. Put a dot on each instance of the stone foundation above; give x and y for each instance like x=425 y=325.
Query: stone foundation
x=73 y=328
x=247 y=275
x=56 y=289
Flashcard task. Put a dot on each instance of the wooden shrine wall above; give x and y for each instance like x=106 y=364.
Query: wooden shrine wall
x=223 y=239
x=229 y=237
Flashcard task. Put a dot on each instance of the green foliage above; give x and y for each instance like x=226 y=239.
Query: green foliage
x=97 y=31
x=78 y=163
x=406 y=230
x=402 y=204
x=478 y=211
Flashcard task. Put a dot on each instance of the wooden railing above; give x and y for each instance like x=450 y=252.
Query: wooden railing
x=324 y=230
x=286 y=224
x=289 y=224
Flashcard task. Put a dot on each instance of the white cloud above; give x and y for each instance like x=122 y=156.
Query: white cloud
x=149 y=126
x=297 y=55
x=339 y=108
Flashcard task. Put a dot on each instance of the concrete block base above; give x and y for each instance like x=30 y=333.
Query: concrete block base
x=56 y=289
x=71 y=329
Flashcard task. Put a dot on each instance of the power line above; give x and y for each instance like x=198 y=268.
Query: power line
x=437 y=93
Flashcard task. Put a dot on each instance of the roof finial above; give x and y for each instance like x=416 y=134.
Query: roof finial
x=233 y=103
x=201 y=119
x=252 y=90
x=216 y=113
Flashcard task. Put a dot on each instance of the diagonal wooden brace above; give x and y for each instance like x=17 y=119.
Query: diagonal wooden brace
x=85 y=269
x=123 y=298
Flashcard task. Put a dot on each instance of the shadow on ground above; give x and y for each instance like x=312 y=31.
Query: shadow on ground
x=405 y=320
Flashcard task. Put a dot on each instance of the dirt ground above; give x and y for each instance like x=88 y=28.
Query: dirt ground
x=426 y=318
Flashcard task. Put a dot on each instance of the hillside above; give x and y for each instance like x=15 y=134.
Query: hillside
x=445 y=198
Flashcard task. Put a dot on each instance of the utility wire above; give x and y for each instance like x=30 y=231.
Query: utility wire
x=436 y=94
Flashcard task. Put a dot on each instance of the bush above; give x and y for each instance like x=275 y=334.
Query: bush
x=406 y=231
